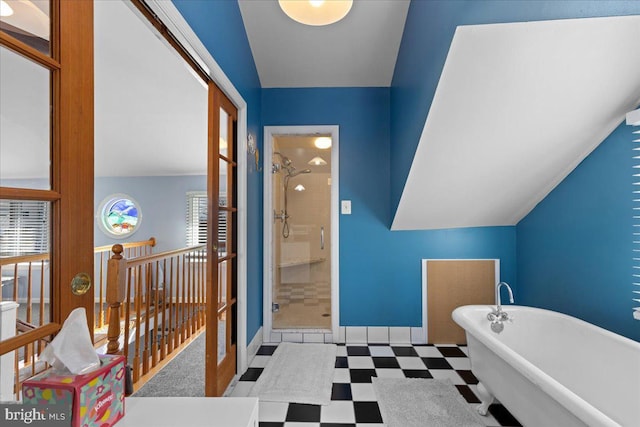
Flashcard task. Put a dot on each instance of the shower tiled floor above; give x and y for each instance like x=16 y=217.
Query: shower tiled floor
x=353 y=400
x=303 y=305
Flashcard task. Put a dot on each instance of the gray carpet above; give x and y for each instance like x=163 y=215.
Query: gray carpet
x=182 y=377
x=413 y=402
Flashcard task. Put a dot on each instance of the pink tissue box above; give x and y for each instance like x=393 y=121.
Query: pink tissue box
x=95 y=399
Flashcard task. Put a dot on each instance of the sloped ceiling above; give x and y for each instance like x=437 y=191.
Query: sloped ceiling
x=517 y=108
x=358 y=51
x=150 y=107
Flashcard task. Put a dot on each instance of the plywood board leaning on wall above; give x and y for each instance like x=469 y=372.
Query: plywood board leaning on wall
x=450 y=284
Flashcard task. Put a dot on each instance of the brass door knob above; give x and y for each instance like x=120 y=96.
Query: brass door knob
x=80 y=284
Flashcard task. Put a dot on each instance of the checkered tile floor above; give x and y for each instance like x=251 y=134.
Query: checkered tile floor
x=312 y=293
x=353 y=400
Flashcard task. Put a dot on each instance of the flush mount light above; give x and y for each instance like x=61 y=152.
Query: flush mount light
x=5 y=9
x=317 y=161
x=299 y=187
x=316 y=12
x=323 y=142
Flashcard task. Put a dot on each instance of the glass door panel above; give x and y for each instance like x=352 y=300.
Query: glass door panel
x=28 y=22
x=25 y=236
x=224 y=133
x=222 y=279
x=301 y=175
x=25 y=122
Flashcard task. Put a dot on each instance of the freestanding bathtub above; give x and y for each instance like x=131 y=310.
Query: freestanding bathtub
x=550 y=369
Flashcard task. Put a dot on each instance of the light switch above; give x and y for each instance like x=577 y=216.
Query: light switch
x=346 y=207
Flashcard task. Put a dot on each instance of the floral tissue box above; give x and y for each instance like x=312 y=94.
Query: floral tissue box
x=95 y=399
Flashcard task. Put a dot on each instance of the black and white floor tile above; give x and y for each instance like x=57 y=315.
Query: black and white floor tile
x=353 y=400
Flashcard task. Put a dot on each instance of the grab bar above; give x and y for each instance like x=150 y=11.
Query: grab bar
x=322 y=238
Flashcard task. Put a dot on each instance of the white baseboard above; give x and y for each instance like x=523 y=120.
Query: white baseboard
x=403 y=335
x=303 y=336
x=254 y=346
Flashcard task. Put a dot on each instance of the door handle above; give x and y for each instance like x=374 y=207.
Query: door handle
x=322 y=238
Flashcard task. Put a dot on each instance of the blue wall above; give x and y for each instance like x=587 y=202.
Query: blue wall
x=428 y=32
x=380 y=270
x=379 y=130
x=219 y=26
x=575 y=248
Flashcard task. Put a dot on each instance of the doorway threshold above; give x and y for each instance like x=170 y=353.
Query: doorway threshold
x=301 y=335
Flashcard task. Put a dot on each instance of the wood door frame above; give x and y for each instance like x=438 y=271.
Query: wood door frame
x=184 y=34
x=425 y=320
x=75 y=148
x=267 y=294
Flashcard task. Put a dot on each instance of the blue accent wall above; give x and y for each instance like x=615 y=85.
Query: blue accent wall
x=380 y=269
x=219 y=26
x=574 y=249
x=379 y=132
x=428 y=32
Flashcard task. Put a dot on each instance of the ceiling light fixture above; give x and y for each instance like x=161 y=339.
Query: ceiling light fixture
x=316 y=12
x=5 y=9
x=323 y=142
x=317 y=161
x=299 y=187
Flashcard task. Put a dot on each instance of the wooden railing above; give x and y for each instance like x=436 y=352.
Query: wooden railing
x=27 y=348
x=30 y=283
x=102 y=254
x=161 y=298
x=28 y=318
x=31 y=290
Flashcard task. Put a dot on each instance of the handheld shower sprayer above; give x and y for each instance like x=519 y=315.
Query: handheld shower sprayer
x=290 y=172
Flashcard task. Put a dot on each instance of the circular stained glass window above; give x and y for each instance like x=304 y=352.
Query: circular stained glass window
x=119 y=215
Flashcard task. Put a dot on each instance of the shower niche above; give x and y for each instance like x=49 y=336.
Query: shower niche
x=301 y=237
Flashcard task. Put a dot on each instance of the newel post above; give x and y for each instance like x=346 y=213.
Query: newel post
x=116 y=290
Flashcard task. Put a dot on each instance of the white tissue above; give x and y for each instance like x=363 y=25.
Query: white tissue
x=72 y=348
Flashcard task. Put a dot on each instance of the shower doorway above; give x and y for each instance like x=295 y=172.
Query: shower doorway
x=301 y=233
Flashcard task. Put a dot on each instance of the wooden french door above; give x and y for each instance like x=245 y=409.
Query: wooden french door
x=221 y=311
x=222 y=249
x=65 y=55
x=60 y=48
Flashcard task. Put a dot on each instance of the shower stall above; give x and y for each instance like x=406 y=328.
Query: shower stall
x=301 y=234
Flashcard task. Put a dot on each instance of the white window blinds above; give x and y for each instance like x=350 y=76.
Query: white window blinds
x=24 y=227
x=197 y=219
x=633 y=119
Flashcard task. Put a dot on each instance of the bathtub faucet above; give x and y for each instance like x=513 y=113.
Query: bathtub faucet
x=498 y=316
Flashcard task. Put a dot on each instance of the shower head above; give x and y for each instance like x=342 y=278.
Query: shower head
x=285 y=160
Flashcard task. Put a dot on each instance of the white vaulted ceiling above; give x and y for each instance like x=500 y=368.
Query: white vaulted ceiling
x=150 y=107
x=517 y=108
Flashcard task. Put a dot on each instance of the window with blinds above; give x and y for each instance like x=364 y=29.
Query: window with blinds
x=24 y=227
x=197 y=219
x=633 y=119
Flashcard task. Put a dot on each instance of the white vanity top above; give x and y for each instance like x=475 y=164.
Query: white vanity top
x=190 y=412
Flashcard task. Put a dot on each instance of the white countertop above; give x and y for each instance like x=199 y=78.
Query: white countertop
x=190 y=412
